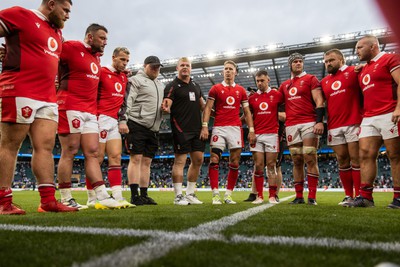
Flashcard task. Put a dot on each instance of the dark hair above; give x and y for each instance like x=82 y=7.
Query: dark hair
x=94 y=27
x=261 y=72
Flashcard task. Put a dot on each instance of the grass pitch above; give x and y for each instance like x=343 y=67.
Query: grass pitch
x=203 y=235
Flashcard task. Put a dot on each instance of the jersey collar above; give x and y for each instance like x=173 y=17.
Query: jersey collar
x=226 y=85
x=300 y=75
x=378 y=56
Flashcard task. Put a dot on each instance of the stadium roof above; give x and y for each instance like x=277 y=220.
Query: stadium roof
x=207 y=69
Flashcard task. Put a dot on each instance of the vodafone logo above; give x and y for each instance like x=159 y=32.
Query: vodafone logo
x=336 y=85
x=215 y=138
x=366 y=79
x=52 y=44
x=94 y=68
x=230 y=100
x=263 y=106
x=293 y=91
x=103 y=134
x=118 y=87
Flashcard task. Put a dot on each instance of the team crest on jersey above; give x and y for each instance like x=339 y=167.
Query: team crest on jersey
x=293 y=91
x=103 y=134
x=346 y=75
x=76 y=123
x=290 y=138
x=52 y=44
x=336 y=85
x=301 y=83
x=263 y=106
x=94 y=68
x=118 y=87
x=230 y=100
x=366 y=79
x=215 y=138
x=26 y=112
x=237 y=94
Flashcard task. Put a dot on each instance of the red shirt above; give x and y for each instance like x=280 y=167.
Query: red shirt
x=264 y=107
x=79 y=75
x=299 y=104
x=111 y=93
x=33 y=50
x=342 y=94
x=227 y=103
x=378 y=86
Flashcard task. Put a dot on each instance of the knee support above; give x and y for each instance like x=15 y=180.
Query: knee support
x=296 y=151
x=218 y=152
x=309 y=150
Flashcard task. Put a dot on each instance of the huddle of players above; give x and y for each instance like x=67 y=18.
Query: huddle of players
x=356 y=130
x=85 y=114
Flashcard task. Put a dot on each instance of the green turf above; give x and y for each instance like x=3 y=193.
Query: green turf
x=327 y=220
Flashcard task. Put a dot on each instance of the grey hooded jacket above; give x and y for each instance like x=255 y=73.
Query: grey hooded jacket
x=142 y=102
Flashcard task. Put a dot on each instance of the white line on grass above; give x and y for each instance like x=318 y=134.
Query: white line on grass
x=162 y=242
x=317 y=242
x=159 y=246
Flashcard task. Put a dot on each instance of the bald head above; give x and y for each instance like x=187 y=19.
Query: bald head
x=367 y=48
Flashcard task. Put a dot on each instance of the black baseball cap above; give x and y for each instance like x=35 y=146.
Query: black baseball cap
x=153 y=60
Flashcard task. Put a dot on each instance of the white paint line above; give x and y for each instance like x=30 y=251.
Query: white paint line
x=160 y=246
x=317 y=242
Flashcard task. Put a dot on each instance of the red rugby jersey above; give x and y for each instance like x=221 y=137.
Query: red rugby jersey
x=299 y=104
x=227 y=103
x=378 y=86
x=342 y=94
x=264 y=107
x=111 y=93
x=33 y=50
x=79 y=75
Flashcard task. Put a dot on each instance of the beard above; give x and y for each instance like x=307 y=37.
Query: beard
x=56 y=21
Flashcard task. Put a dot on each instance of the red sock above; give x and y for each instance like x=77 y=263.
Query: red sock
x=5 y=195
x=312 y=185
x=396 y=192
x=88 y=184
x=232 y=176
x=259 y=180
x=355 y=173
x=114 y=175
x=47 y=193
x=299 y=187
x=366 y=191
x=64 y=185
x=213 y=173
x=97 y=184
x=347 y=181
x=272 y=190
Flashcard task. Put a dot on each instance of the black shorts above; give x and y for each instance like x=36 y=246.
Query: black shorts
x=141 y=140
x=188 y=142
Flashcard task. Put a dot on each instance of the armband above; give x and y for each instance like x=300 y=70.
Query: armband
x=205 y=124
x=245 y=104
x=320 y=114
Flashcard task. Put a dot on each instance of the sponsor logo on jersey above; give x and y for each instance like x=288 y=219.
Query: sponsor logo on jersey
x=366 y=79
x=230 y=100
x=118 y=87
x=263 y=106
x=76 y=123
x=293 y=91
x=82 y=54
x=26 y=112
x=37 y=25
x=336 y=85
x=94 y=68
x=52 y=44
